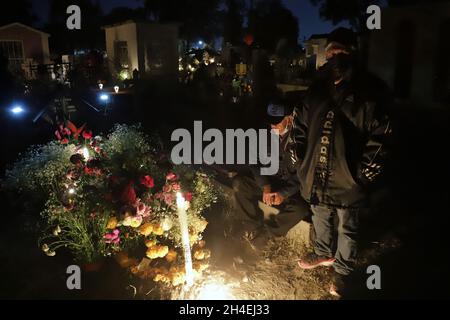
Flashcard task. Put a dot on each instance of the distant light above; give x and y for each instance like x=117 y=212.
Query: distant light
x=116 y=89
x=104 y=97
x=17 y=110
x=200 y=43
x=100 y=86
x=71 y=191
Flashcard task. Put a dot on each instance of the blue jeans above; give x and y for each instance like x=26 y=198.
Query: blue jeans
x=347 y=231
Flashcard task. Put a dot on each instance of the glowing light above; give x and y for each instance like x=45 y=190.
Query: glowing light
x=215 y=291
x=17 y=110
x=86 y=153
x=104 y=97
x=116 y=89
x=100 y=86
x=182 y=217
x=211 y=60
x=71 y=191
x=200 y=43
x=124 y=75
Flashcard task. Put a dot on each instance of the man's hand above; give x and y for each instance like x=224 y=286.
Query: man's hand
x=276 y=199
x=267 y=199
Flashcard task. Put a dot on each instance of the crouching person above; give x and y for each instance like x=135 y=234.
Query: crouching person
x=280 y=191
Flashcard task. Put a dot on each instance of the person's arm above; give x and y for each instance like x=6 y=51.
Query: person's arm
x=376 y=150
x=300 y=132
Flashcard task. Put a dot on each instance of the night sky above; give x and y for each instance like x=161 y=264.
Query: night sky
x=307 y=14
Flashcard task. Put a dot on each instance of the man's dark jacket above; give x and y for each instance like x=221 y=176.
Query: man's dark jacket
x=357 y=143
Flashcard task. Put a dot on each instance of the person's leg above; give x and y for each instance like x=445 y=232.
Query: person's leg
x=291 y=213
x=246 y=194
x=323 y=227
x=347 y=249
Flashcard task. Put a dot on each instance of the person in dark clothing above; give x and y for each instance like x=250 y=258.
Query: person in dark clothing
x=341 y=132
x=280 y=191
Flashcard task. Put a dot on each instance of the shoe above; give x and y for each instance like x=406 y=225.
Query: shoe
x=338 y=285
x=313 y=260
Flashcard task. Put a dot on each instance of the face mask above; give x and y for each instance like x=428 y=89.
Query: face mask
x=339 y=66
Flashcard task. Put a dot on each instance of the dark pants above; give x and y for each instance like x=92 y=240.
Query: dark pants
x=347 y=230
x=248 y=193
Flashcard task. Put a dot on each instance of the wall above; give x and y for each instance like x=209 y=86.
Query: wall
x=126 y=32
x=35 y=44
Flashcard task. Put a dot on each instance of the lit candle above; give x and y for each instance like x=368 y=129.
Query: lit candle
x=182 y=217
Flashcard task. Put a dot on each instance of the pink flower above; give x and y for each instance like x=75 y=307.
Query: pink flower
x=142 y=209
x=168 y=198
x=112 y=237
x=171 y=176
x=167 y=188
x=176 y=187
x=148 y=181
x=58 y=135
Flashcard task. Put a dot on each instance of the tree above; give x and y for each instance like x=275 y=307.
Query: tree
x=271 y=22
x=90 y=36
x=396 y=3
x=121 y=14
x=198 y=19
x=17 y=11
x=352 y=11
x=233 y=20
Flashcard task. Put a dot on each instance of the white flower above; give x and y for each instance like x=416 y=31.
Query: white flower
x=51 y=253
x=57 y=231
x=45 y=247
x=167 y=224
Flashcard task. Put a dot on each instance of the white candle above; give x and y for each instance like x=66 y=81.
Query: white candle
x=182 y=217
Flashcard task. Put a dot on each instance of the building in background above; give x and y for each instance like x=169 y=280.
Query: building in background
x=149 y=48
x=411 y=53
x=315 y=51
x=24 y=46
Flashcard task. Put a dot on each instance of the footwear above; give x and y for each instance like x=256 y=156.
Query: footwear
x=313 y=260
x=338 y=285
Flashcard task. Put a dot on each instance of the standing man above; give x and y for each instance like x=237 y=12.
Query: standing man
x=280 y=191
x=341 y=131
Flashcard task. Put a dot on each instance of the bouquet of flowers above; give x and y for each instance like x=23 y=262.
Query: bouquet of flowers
x=115 y=195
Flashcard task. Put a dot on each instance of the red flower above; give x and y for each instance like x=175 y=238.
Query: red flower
x=171 y=176
x=128 y=194
x=65 y=141
x=88 y=171
x=188 y=196
x=87 y=134
x=176 y=187
x=148 y=181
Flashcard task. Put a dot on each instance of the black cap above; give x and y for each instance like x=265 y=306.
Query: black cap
x=343 y=36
